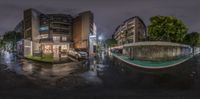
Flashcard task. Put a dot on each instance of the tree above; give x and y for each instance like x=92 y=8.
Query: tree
x=166 y=28
x=11 y=38
x=1 y=44
x=192 y=39
x=110 y=42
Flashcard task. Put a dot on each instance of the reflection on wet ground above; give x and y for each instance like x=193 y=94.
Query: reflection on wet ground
x=107 y=73
x=64 y=75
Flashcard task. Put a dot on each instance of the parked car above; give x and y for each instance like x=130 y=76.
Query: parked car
x=78 y=53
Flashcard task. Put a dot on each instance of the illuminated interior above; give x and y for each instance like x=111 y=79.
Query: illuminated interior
x=64 y=47
x=47 y=49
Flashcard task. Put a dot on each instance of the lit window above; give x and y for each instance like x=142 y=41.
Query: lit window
x=47 y=49
x=64 y=38
x=64 y=47
x=56 y=38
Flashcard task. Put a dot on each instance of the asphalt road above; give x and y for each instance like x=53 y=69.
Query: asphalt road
x=103 y=77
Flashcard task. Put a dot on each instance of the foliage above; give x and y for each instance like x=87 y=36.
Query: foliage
x=47 y=56
x=11 y=38
x=1 y=44
x=166 y=28
x=110 y=42
x=192 y=39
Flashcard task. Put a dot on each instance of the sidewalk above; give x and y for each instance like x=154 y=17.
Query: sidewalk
x=152 y=64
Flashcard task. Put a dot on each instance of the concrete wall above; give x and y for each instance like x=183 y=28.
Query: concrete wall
x=82 y=29
x=35 y=31
x=77 y=29
x=157 y=51
x=27 y=48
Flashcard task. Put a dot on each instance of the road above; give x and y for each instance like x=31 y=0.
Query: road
x=101 y=77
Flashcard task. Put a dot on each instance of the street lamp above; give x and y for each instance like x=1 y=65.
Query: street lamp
x=100 y=38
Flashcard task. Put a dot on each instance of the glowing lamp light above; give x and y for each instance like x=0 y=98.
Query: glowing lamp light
x=100 y=38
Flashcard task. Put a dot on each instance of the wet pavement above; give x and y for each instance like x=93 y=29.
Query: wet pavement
x=101 y=77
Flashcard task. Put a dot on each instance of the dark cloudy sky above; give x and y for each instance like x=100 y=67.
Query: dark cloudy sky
x=108 y=13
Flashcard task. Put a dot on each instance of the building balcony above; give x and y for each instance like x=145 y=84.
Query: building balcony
x=61 y=27
x=61 y=22
x=46 y=40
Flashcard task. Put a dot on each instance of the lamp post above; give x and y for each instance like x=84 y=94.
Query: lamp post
x=100 y=38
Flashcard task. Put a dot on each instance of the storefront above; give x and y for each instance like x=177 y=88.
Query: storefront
x=57 y=50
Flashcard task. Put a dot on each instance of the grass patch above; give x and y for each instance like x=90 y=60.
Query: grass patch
x=44 y=58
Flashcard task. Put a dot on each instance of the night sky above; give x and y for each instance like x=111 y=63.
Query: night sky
x=108 y=14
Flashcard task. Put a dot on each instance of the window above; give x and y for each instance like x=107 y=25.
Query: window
x=56 y=38
x=47 y=49
x=64 y=38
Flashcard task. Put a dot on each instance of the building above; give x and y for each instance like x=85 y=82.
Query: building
x=130 y=31
x=45 y=34
x=84 y=32
x=53 y=35
x=93 y=41
x=56 y=34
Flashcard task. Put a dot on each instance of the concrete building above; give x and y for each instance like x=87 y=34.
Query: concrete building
x=45 y=34
x=84 y=32
x=130 y=31
x=56 y=34
x=53 y=35
x=31 y=32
